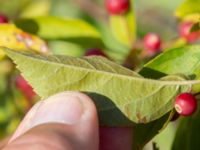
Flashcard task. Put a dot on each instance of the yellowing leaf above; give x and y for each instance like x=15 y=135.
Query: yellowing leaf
x=189 y=8
x=12 y=37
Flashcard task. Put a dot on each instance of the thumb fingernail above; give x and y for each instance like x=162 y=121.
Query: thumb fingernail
x=66 y=108
x=61 y=108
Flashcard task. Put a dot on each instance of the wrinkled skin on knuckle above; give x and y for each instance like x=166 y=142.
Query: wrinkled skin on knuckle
x=43 y=137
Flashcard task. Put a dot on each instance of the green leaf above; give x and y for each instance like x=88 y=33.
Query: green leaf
x=116 y=50
x=187 y=135
x=175 y=61
x=54 y=28
x=139 y=100
x=66 y=48
x=124 y=27
x=143 y=133
x=183 y=60
x=187 y=8
x=169 y=134
x=71 y=30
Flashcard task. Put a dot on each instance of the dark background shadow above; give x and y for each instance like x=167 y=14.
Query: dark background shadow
x=109 y=117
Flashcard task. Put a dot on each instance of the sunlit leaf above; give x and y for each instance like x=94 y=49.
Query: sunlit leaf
x=124 y=27
x=138 y=99
x=187 y=8
x=55 y=28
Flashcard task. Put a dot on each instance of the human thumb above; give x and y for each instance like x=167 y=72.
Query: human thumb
x=66 y=120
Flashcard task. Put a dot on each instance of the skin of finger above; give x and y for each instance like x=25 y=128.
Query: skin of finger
x=4 y=141
x=60 y=137
x=87 y=125
x=84 y=133
x=50 y=137
x=117 y=138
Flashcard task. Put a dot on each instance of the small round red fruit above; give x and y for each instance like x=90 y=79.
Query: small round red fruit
x=152 y=43
x=117 y=7
x=184 y=31
x=185 y=104
x=95 y=52
x=3 y=19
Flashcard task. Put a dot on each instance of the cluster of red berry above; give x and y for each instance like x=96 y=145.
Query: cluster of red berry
x=185 y=103
x=152 y=41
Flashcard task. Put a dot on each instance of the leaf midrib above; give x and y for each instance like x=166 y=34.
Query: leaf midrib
x=104 y=72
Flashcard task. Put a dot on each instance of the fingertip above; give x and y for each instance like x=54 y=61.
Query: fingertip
x=69 y=108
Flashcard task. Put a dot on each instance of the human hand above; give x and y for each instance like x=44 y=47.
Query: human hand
x=67 y=121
